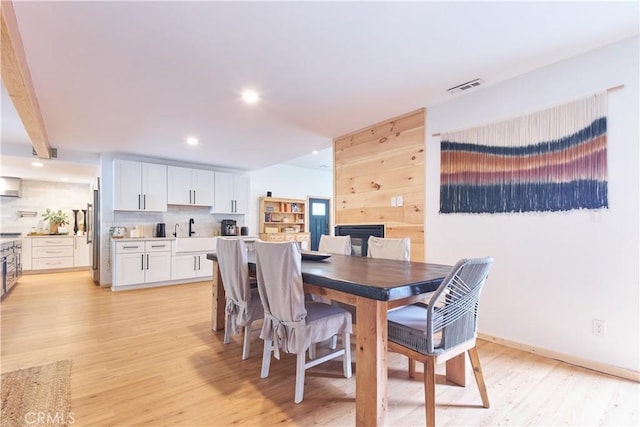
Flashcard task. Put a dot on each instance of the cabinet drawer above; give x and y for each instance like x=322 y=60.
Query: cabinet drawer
x=129 y=247
x=274 y=237
x=290 y=237
x=161 y=246
x=51 y=263
x=52 y=251
x=302 y=237
x=58 y=241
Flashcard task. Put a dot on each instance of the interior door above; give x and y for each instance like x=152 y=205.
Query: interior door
x=319 y=220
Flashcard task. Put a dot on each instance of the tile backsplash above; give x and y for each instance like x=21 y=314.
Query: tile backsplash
x=37 y=196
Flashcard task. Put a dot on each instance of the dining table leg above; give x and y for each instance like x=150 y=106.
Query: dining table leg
x=371 y=362
x=456 y=371
x=218 y=300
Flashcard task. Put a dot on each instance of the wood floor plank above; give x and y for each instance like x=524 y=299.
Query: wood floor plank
x=149 y=358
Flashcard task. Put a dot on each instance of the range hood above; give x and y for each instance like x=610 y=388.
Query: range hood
x=10 y=186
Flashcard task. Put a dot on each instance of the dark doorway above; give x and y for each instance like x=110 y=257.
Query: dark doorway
x=319 y=220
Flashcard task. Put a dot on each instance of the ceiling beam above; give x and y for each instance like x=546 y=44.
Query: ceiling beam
x=17 y=80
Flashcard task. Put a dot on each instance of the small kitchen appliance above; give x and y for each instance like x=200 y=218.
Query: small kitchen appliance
x=228 y=227
x=160 y=230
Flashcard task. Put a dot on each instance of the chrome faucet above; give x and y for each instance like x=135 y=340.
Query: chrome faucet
x=191 y=232
x=175 y=230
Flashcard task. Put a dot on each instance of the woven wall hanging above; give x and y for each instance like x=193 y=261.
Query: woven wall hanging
x=551 y=160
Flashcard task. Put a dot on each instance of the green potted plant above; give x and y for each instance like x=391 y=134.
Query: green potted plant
x=57 y=220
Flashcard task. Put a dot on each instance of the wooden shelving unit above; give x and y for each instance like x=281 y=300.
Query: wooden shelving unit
x=283 y=220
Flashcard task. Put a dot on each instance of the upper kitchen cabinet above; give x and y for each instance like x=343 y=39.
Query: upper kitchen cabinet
x=139 y=186
x=192 y=187
x=232 y=193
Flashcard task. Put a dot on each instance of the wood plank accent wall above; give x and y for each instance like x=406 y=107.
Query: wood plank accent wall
x=377 y=163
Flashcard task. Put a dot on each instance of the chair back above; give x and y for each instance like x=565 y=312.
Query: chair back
x=453 y=308
x=340 y=245
x=278 y=268
x=399 y=249
x=234 y=269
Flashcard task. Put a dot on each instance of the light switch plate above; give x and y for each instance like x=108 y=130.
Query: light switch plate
x=394 y=202
x=399 y=201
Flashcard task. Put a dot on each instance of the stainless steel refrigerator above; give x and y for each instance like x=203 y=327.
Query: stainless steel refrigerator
x=93 y=232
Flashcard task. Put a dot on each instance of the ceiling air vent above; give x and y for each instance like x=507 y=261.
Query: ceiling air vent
x=465 y=86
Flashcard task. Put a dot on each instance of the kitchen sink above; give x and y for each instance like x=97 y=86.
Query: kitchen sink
x=194 y=244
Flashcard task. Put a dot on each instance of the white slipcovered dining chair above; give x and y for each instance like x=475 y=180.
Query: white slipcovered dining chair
x=292 y=324
x=243 y=305
x=340 y=245
x=382 y=247
x=444 y=328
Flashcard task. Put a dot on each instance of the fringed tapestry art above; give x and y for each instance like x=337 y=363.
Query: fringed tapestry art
x=552 y=160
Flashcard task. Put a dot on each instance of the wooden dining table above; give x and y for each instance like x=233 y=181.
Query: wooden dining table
x=373 y=286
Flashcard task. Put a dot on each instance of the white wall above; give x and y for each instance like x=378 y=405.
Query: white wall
x=286 y=181
x=554 y=272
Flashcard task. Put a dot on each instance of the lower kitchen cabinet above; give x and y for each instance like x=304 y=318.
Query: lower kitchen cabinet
x=187 y=266
x=81 y=252
x=141 y=262
x=50 y=253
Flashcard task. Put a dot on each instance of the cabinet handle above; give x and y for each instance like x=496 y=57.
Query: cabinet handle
x=129 y=247
x=194 y=197
x=194 y=263
x=52 y=252
x=144 y=201
x=147 y=261
x=158 y=246
x=139 y=204
x=198 y=262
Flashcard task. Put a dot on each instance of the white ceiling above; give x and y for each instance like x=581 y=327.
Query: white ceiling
x=141 y=77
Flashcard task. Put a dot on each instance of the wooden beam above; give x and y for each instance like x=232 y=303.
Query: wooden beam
x=17 y=80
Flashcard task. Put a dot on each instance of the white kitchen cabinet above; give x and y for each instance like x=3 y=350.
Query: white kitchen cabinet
x=231 y=193
x=49 y=253
x=193 y=187
x=25 y=254
x=81 y=252
x=139 y=186
x=187 y=266
x=139 y=262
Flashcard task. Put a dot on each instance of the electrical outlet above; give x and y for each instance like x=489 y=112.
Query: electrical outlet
x=598 y=327
x=394 y=202
x=399 y=201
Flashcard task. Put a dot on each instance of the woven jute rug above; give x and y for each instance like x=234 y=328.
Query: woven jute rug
x=37 y=396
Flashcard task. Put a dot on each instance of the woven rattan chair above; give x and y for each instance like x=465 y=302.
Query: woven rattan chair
x=443 y=329
x=243 y=305
x=292 y=324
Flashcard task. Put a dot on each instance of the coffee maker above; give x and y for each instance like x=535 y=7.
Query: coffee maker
x=228 y=227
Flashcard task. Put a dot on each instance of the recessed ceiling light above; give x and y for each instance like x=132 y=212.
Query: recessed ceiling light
x=250 y=96
x=37 y=164
x=314 y=152
x=192 y=141
x=64 y=178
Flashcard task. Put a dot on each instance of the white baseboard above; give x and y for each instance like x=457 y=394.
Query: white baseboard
x=589 y=364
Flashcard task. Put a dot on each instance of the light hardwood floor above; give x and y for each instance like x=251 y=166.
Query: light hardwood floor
x=148 y=357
